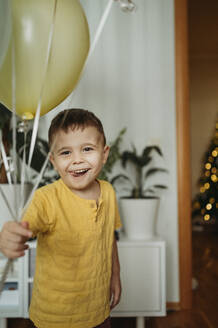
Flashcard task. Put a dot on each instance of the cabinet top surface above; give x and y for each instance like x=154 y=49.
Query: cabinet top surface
x=154 y=241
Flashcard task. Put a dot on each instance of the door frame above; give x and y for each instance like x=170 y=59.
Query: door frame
x=183 y=152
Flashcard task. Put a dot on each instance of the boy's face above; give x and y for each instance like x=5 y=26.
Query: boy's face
x=78 y=156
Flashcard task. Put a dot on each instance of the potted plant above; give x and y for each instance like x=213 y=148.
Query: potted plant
x=5 y=117
x=140 y=200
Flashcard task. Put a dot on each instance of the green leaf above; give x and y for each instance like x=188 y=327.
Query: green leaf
x=154 y=170
x=146 y=152
x=160 y=186
x=128 y=156
x=119 y=177
x=5 y=115
x=144 y=161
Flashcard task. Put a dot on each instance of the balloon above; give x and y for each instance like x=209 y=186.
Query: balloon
x=32 y=21
x=5 y=28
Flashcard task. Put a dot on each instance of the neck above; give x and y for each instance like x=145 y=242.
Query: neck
x=91 y=193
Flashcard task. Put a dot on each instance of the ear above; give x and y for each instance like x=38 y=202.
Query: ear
x=51 y=159
x=106 y=153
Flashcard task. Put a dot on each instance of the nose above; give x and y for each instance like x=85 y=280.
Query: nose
x=77 y=158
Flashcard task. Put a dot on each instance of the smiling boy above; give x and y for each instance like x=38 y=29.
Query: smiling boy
x=77 y=278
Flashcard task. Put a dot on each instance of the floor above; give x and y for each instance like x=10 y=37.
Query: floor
x=205 y=296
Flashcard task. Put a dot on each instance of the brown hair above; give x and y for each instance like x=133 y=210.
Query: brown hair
x=74 y=118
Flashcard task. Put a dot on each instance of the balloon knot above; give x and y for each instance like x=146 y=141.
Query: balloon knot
x=27 y=116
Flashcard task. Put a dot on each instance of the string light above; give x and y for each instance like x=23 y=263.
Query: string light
x=207 y=217
x=208 y=206
x=214 y=153
x=207 y=185
x=214 y=178
x=208 y=166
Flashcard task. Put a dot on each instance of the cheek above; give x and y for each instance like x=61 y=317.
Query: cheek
x=95 y=160
x=61 y=165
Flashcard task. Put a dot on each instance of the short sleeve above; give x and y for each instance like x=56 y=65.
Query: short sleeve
x=38 y=214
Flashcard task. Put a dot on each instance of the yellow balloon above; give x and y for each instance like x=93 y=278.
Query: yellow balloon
x=5 y=28
x=32 y=21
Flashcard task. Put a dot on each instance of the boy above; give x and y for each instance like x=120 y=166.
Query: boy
x=74 y=218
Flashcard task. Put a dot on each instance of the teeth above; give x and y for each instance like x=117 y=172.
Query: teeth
x=81 y=171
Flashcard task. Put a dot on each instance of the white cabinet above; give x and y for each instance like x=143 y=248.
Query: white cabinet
x=11 y=299
x=143 y=279
x=15 y=298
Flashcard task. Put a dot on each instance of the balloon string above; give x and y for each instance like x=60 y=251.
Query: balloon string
x=5 y=161
x=48 y=56
x=14 y=119
x=23 y=166
x=100 y=28
x=14 y=124
x=98 y=32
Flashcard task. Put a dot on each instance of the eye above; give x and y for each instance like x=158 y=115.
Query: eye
x=65 y=153
x=88 y=148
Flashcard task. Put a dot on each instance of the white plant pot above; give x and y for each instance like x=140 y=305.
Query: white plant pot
x=8 y=191
x=139 y=217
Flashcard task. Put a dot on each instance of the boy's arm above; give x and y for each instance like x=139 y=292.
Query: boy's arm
x=115 y=286
x=13 y=238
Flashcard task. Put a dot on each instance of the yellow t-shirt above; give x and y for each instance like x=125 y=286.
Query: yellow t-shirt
x=74 y=256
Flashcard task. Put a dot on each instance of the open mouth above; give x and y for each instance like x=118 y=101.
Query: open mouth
x=79 y=173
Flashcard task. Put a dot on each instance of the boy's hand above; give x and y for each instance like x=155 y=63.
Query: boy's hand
x=115 y=289
x=13 y=238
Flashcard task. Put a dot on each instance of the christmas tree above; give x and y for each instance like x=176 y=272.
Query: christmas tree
x=205 y=203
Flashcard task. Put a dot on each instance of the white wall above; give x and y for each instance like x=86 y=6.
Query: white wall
x=129 y=81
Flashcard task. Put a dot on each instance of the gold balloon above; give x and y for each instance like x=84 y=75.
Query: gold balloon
x=5 y=28
x=32 y=21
